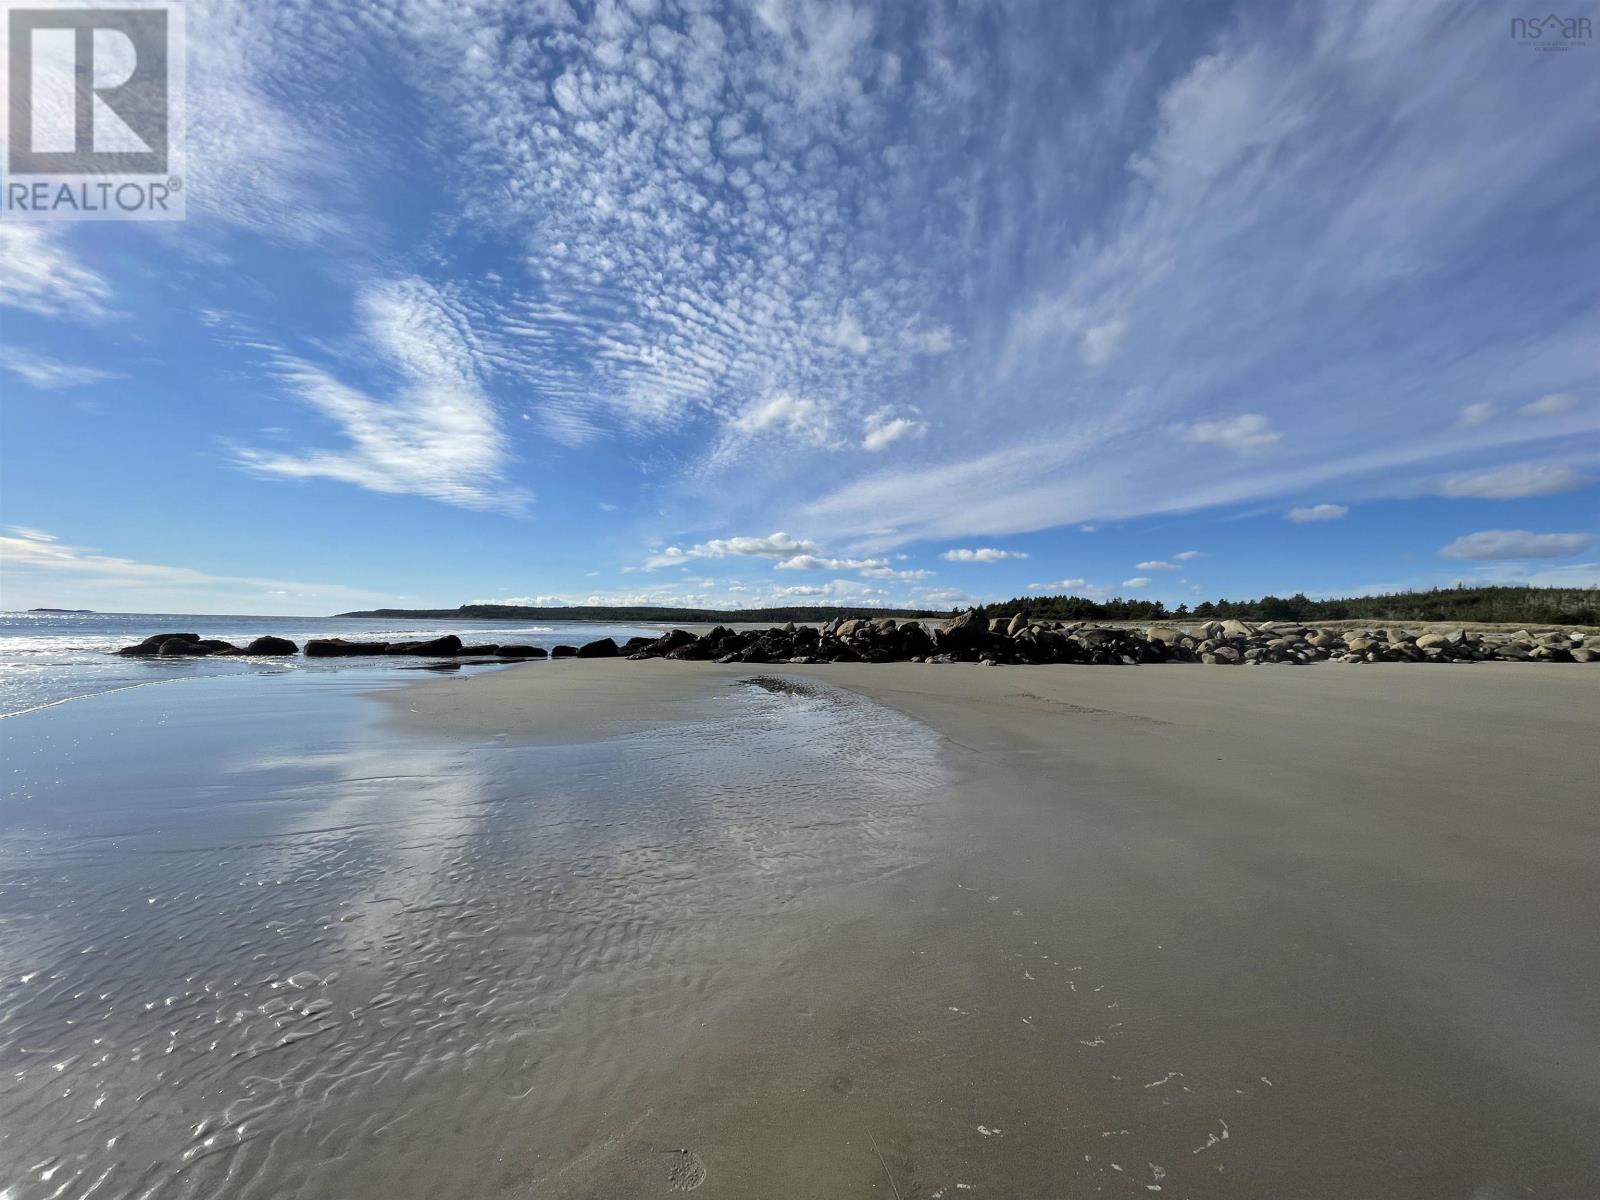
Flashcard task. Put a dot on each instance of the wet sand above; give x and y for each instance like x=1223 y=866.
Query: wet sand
x=1322 y=932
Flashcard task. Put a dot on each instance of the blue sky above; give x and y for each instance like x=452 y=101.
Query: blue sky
x=583 y=302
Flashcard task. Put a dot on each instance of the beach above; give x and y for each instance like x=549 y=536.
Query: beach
x=613 y=929
x=1317 y=932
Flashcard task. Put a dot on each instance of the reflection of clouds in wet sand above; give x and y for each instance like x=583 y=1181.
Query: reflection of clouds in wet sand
x=372 y=967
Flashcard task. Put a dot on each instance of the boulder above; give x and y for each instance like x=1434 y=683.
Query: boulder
x=521 y=652
x=480 y=651
x=965 y=631
x=1235 y=629
x=440 y=647
x=635 y=644
x=600 y=648
x=339 y=648
x=178 y=647
x=1017 y=624
x=272 y=646
x=152 y=644
x=1165 y=634
x=563 y=651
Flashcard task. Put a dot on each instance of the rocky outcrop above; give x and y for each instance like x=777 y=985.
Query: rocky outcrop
x=563 y=651
x=970 y=637
x=600 y=648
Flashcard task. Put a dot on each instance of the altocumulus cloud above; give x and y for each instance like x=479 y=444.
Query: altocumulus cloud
x=982 y=554
x=1316 y=512
x=1516 y=543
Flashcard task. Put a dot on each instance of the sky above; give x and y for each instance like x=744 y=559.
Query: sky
x=814 y=302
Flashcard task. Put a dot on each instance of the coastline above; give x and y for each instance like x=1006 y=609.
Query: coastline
x=1208 y=919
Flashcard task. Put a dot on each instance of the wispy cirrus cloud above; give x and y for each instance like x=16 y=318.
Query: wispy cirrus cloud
x=48 y=374
x=438 y=436
x=41 y=569
x=40 y=275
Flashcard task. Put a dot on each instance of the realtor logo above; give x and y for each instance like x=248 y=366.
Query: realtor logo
x=95 y=107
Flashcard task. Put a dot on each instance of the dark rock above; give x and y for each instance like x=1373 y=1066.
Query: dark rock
x=479 y=651
x=178 y=647
x=600 y=648
x=152 y=644
x=966 y=631
x=635 y=644
x=440 y=647
x=272 y=645
x=339 y=648
x=563 y=651
x=521 y=652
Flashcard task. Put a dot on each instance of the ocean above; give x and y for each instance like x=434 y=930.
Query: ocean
x=49 y=658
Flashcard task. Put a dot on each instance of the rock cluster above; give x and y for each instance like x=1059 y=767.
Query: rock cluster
x=190 y=645
x=970 y=637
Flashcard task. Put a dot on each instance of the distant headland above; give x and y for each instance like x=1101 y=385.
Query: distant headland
x=75 y=612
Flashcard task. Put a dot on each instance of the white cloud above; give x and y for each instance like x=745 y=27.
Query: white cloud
x=1059 y=585
x=439 y=435
x=1189 y=555
x=47 y=374
x=1513 y=482
x=41 y=570
x=1101 y=342
x=937 y=340
x=847 y=334
x=1138 y=581
x=1516 y=543
x=784 y=412
x=1155 y=564
x=774 y=545
x=869 y=568
x=1248 y=433
x=1316 y=512
x=985 y=554
x=1474 y=414
x=1552 y=405
x=38 y=274
x=811 y=562
x=883 y=429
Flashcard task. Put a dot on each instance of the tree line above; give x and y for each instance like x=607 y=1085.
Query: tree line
x=1535 y=606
